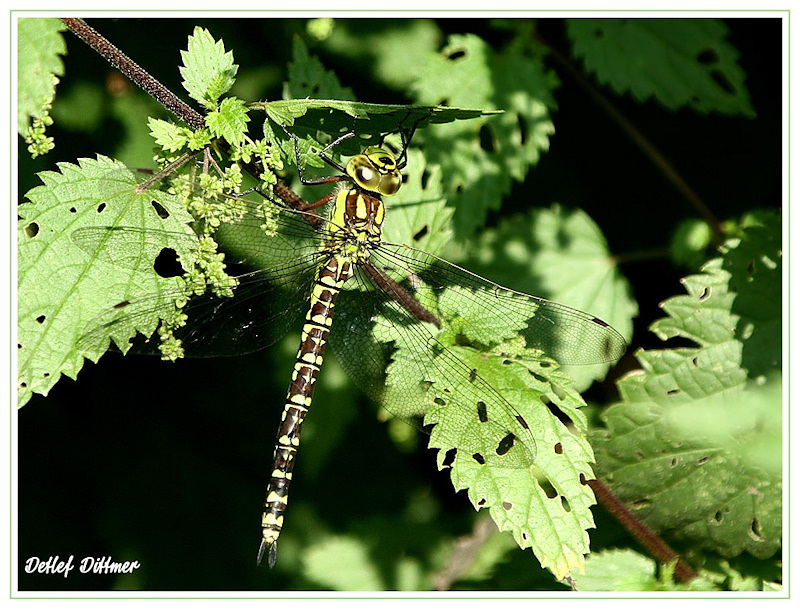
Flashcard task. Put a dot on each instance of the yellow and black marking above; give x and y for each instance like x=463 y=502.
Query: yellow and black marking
x=355 y=228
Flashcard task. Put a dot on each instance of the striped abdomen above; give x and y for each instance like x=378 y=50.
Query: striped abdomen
x=327 y=285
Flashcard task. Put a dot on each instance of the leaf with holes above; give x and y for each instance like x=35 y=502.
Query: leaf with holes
x=479 y=159
x=694 y=446
x=680 y=62
x=562 y=255
x=62 y=286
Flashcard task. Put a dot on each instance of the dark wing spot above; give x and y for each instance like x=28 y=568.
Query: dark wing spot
x=482 y=416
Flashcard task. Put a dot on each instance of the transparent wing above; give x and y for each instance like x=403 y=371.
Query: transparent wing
x=390 y=350
x=282 y=243
x=564 y=334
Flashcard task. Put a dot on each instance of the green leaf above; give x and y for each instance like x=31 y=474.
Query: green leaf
x=694 y=447
x=208 y=71
x=480 y=159
x=561 y=255
x=64 y=286
x=308 y=78
x=397 y=52
x=342 y=563
x=546 y=506
x=169 y=136
x=229 y=121
x=680 y=62
x=418 y=215
x=617 y=571
x=38 y=67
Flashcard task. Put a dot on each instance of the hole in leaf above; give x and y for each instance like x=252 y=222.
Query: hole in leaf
x=751 y=267
x=707 y=57
x=538 y=377
x=582 y=479
x=426 y=176
x=479 y=458
x=506 y=444
x=702 y=460
x=438 y=401
x=673 y=391
x=524 y=536
x=718 y=77
x=486 y=140
x=449 y=458
x=457 y=54
x=755 y=530
x=482 y=417
x=31 y=230
x=548 y=489
x=72 y=210
x=420 y=233
x=556 y=412
x=41 y=319
x=160 y=210
x=506 y=505
x=641 y=503
x=473 y=374
x=717 y=518
x=100 y=208
x=559 y=449
x=46 y=374
x=674 y=462
x=705 y=294
x=166 y=263
x=565 y=504
x=523 y=129
x=481 y=501
x=23 y=385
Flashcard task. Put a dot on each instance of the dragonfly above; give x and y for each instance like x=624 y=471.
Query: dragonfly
x=379 y=305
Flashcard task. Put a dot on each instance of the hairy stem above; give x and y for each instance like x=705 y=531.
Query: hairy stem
x=160 y=93
x=656 y=547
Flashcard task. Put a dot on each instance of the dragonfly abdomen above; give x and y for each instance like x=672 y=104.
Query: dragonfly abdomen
x=327 y=286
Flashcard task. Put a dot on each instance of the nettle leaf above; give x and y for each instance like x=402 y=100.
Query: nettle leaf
x=537 y=490
x=546 y=506
x=208 y=71
x=418 y=214
x=308 y=78
x=229 y=121
x=562 y=255
x=617 y=571
x=479 y=159
x=680 y=62
x=63 y=286
x=38 y=66
x=694 y=447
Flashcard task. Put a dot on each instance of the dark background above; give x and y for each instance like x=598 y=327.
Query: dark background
x=167 y=463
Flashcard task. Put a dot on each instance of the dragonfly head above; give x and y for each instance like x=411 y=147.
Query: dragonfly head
x=375 y=170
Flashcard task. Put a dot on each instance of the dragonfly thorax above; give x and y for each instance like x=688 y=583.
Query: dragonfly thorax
x=375 y=170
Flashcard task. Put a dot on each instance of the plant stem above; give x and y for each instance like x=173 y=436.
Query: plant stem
x=650 y=151
x=657 y=547
x=160 y=93
x=132 y=70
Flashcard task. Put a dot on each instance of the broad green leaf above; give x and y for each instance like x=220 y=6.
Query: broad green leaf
x=680 y=62
x=617 y=571
x=418 y=215
x=64 y=286
x=308 y=78
x=480 y=159
x=229 y=121
x=38 y=67
x=396 y=52
x=694 y=447
x=546 y=506
x=561 y=255
x=208 y=71
x=342 y=563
